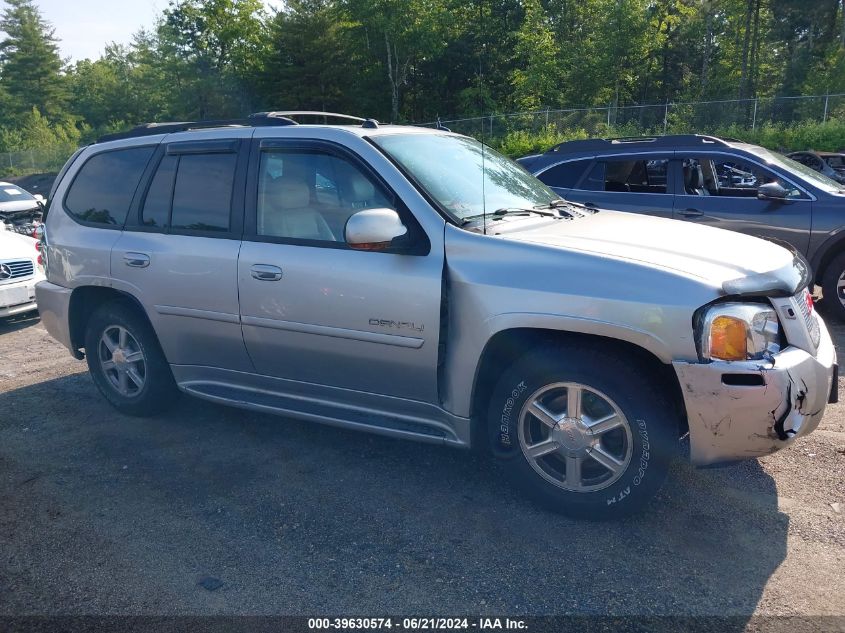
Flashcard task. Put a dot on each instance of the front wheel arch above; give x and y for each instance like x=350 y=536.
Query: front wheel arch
x=506 y=346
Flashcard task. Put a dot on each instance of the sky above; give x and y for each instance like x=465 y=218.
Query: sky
x=86 y=26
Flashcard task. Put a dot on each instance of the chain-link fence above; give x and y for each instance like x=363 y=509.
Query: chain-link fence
x=35 y=161
x=705 y=117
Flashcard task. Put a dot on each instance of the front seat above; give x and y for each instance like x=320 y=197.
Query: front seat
x=694 y=181
x=287 y=212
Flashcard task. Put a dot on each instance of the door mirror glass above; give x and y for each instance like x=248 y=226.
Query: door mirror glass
x=374 y=229
x=772 y=191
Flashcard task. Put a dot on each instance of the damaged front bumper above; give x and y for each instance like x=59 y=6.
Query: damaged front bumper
x=738 y=410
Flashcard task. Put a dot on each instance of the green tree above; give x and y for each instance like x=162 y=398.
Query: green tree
x=536 y=78
x=210 y=51
x=30 y=66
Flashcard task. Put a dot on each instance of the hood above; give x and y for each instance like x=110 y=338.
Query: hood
x=16 y=206
x=16 y=246
x=737 y=264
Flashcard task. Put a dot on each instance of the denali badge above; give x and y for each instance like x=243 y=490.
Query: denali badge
x=397 y=325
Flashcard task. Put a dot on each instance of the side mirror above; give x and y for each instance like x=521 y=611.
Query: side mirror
x=39 y=198
x=374 y=229
x=772 y=191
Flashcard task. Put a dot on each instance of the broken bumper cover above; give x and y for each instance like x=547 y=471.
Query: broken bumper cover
x=739 y=410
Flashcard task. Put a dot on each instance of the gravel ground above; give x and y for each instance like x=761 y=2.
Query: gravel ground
x=212 y=510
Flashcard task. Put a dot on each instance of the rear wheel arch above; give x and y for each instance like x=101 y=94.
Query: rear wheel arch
x=85 y=300
x=507 y=346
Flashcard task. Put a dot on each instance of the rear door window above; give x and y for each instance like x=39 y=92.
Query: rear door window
x=636 y=176
x=202 y=194
x=156 y=212
x=104 y=187
x=565 y=175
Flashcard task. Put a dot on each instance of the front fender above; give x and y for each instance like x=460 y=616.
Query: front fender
x=463 y=362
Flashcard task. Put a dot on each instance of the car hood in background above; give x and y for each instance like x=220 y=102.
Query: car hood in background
x=13 y=206
x=738 y=264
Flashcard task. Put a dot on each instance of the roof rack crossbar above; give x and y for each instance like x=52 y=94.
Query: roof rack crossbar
x=669 y=140
x=299 y=113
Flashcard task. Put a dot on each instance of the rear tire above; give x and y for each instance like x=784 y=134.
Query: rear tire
x=126 y=361
x=834 y=298
x=583 y=431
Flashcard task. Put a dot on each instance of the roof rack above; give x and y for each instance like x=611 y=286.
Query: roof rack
x=670 y=140
x=290 y=114
x=258 y=119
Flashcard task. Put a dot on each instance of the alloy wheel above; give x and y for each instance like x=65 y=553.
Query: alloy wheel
x=122 y=360
x=575 y=437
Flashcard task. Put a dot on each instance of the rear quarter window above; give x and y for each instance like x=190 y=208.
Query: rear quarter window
x=104 y=187
x=566 y=175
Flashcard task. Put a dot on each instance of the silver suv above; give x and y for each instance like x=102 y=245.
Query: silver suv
x=413 y=283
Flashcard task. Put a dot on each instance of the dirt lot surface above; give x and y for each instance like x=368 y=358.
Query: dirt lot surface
x=212 y=510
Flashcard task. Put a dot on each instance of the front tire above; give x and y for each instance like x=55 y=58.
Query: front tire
x=126 y=361
x=582 y=430
x=833 y=287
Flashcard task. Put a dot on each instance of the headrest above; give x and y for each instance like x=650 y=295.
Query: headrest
x=288 y=193
x=693 y=176
x=360 y=189
x=696 y=180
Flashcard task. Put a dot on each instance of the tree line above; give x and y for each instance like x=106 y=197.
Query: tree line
x=412 y=60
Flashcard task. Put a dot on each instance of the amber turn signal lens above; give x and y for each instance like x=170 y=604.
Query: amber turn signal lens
x=728 y=339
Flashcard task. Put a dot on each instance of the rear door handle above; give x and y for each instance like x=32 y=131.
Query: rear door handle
x=265 y=272
x=691 y=213
x=136 y=260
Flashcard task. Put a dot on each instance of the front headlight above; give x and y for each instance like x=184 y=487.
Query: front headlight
x=739 y=331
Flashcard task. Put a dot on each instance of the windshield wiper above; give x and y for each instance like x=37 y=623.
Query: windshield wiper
x=565 y=204
x=498 y=213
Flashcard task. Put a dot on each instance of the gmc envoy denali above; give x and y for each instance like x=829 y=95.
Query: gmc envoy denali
x=414 y=283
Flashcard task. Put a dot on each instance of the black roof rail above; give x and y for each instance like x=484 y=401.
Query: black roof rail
x=670 y=140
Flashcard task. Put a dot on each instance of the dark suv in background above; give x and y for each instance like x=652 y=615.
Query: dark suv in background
x=713 y=181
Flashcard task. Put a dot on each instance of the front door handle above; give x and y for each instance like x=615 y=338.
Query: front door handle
x=591 y=205
x=265 y=272
x=136 y=260
x=691 y=213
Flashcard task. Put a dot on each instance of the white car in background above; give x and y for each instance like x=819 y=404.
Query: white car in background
x=20 y=270
x=20 y=211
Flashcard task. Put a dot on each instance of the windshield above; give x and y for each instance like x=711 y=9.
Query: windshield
x=9 y=193
x=453 y=171
x=807 y=173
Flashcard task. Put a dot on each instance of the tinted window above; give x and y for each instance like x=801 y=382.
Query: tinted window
x=202 y=196
x=157 y=204
x=565 y=175
x=310 y=195
x=637 y=176
x=595 y=179
x=102 y=190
